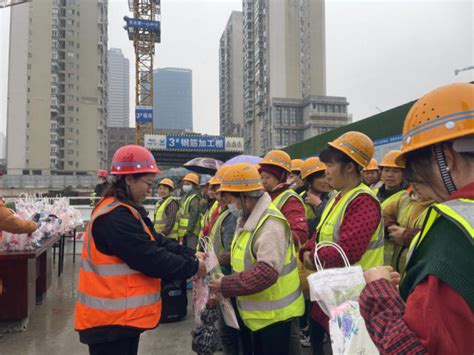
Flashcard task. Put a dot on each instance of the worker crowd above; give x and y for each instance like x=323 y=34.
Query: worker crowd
x=407 y=220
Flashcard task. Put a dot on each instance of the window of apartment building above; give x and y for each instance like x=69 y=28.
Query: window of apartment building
x=77 y=109
x=70 y=130
x=70 y=141
x=71 y=11
x=70 y=33
x=292 y=117
x=70 y=54
x=70 y=22
x=70 y=108
x=70 y=151
x=278 y=137
x=70 y=86
x=54 y=33
x=286 y=137
x=284 y=116
x=70 y=163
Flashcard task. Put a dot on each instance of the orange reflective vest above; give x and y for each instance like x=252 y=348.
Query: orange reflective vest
x=109 y=291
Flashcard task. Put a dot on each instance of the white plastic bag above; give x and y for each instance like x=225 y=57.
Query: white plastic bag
x=337 y=291
x=214 y=270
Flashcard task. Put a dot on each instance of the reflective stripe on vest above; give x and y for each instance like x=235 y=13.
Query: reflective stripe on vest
x=282 y=300
x=216 y=233
x=331 y=220
x=101 y=277
x=160 y=220
x=117 y=304
x=281 y=199
x=459 y=211
x=184 y=216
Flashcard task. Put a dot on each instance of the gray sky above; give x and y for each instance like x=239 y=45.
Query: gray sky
x=379 y=53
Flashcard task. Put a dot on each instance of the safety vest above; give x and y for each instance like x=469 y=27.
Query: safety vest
x=161 y=218
x=281 y=199
x=206 y=218
x=331 y=220
x=184 y=216
x=282 y=300
x=109 y=291
x=392 y=198
x=215 y=234
x=308 y=209
x=459 y=211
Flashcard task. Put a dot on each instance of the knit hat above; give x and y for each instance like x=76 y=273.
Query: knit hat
x=279 y=173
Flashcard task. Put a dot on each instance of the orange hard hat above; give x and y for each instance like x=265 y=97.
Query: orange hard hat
x=311 y=166
x=390 y=160
x=102 y=173
x=442 y=115
x=355 y=145
x=133 y=159
x=373 y=165
x=167 y=182
x=278 y=158
x=192 y=177
x=297 y=165
x=242 y=177
x=217 y=178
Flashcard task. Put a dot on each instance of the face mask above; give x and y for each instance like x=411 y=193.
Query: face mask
x=234 y=210
x=187 y=188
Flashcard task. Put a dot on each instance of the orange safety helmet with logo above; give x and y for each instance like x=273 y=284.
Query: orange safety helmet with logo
x=373 y=165
x=110 y=293
x=217 y=178
x=355 y=145
x=311 y=166
x=390 y=160
x=297 y=165
x=444 y=114
x=277 y=158
x=242 y=177
x=192 y=177
x=167 y=182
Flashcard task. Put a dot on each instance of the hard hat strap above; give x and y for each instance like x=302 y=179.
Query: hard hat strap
x=444 y=170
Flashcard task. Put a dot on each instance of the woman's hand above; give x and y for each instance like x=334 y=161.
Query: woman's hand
x=382 y=272
x=312 y=199
x=395 y=234
x=215 y=285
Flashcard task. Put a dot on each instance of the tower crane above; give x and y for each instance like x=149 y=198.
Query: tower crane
x=144 y=29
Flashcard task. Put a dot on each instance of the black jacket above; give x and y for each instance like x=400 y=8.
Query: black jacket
x=120 y=234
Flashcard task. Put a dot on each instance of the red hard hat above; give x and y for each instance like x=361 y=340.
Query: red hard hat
x=102 y=173
x=133 y=159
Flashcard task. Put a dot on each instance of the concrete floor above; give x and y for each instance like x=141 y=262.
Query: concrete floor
x=51 y=332
x=51 y=326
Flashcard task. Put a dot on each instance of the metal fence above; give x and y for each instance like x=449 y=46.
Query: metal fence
x=48 y=181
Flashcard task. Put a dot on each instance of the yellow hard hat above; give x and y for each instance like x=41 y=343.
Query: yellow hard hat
x=192 y=177
x=390 y=160
x=217 y=178
x=373 y=165
x=167 y=182
x=242 y=177
x=355 y=145
x=278 y=158
x=311 y=166
x=297 y=165
x=442 y=115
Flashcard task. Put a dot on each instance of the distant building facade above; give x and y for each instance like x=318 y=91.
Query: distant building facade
x=118 y=105
x=173 y=99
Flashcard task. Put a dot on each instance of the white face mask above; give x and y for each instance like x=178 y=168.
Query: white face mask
x=187 y=188
x=234 y=210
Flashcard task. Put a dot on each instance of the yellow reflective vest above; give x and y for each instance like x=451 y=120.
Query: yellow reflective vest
x=215 y=235
x=331 y=220
x=184 y=216
x=308 y=209
x=459 y=211
x=282 y=300
x=161 y=218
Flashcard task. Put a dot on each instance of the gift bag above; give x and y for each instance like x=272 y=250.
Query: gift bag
x=214 y=270
x=337 y=291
